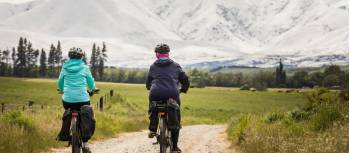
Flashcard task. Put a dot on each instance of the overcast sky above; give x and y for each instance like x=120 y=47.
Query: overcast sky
x=15 y=1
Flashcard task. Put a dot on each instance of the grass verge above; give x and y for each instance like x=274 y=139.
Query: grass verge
x=321 y=126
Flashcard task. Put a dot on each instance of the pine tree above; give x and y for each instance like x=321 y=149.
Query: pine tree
x=29 y=58
x=58 y=57
x=93 y=61
x=51 y=60
x=4 y=65
x=2 y=71
x=13 y=55
x=102 y=60
x=97 y=63
x=20 y=63
x=84 y=58
x=43 y=63
x=6 y=61
x=33 y=62
x=280 y=75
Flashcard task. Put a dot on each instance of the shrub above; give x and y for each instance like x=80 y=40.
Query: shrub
x=20 y=133
x=245 y=87
x=322 y=126
x=238 y=132
x=274 y=116
x=325 y=116
x=16 y=118
x=326 y=108
x=298 y=115
x=318 y=97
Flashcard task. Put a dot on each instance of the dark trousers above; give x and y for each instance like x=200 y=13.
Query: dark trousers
x=153 y=118
x=75 y=106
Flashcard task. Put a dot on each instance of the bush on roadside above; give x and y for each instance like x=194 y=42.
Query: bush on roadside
x=238 y=130
x=21 y=133
x=274 y=116
x=298 y=115
x=321 y=126
x=35 y=130
x=16 y=118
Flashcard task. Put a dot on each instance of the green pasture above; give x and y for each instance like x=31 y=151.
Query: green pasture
x=127 y=111
x=207 y=105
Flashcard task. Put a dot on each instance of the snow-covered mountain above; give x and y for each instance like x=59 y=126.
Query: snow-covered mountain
x=201 y=33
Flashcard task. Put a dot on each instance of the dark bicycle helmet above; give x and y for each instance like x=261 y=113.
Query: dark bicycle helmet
x=75 y=53
x=162 y=48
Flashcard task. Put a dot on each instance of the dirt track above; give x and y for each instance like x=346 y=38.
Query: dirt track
x=193 y=139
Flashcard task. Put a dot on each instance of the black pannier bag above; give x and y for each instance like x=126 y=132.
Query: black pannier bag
x=173 y=114
x=64 y=134
x=87 y=122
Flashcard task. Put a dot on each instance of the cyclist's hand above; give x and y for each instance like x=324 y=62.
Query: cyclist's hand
x=96 y=90
x=183 y=91
x=59 y=91
x=92 y=92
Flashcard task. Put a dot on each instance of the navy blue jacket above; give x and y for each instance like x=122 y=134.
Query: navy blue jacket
x=165 y=79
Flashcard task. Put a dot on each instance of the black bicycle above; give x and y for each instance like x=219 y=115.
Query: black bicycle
x=163 y=133
x=75 y=131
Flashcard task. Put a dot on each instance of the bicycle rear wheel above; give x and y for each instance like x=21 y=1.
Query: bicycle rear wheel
x=76 y=143
x=170 y=141
x=163 y=135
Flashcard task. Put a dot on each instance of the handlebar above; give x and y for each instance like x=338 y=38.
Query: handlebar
x=90 y=92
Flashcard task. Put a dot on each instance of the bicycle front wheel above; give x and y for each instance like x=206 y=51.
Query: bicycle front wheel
x=75 y=137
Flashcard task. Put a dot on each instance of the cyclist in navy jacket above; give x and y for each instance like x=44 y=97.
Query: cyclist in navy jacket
x=165 y=80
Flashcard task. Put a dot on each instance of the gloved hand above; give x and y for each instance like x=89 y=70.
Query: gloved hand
x=94 y=91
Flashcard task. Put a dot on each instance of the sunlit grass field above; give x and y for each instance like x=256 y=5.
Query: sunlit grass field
x=126 y=112
x=215 y=104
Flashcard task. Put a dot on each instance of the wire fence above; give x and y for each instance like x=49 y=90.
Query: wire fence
x=5 y=107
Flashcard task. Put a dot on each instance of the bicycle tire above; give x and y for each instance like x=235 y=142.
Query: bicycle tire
x=75 y=137
x=170 y=141
x=163 y=135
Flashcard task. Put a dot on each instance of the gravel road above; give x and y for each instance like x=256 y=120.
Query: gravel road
x=193 y=139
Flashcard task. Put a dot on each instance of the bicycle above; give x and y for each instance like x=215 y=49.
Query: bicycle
x=163 y=133
x=75 y=130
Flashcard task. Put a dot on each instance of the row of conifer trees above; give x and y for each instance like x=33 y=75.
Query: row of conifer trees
x=26 y=61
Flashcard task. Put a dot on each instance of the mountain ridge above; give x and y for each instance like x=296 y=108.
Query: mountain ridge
x=198 y=31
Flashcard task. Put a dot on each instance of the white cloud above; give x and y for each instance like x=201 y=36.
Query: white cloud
x=15 y=1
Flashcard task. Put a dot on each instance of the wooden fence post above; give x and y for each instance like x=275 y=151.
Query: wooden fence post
x=111 y=93
x=2 y=107
x=101 y=103
x=106 y=98
x=30 y=103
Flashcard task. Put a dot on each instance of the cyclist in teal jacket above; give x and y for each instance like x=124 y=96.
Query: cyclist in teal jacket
x=73 y=81
x=74 y=77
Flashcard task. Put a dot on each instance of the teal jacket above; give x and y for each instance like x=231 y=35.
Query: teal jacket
x=74 y=78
